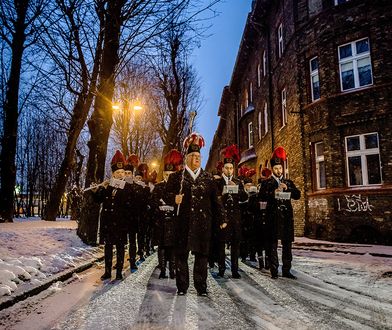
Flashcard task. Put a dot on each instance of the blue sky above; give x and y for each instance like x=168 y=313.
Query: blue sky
x=214 y=62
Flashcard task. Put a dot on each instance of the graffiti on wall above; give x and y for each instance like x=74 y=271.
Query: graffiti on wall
x=355 y=203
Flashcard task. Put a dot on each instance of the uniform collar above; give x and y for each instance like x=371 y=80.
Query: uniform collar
x=195 y=174
x=227 y=179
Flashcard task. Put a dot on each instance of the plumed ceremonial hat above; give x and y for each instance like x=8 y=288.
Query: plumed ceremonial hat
x=231 y=154
x=246 y=173
x=132 y=162
x=278 y=156
x=193 y=143
x=142 y=170
x=265 y=171
x=118 y=161
x=153 y=176
x=172 y=160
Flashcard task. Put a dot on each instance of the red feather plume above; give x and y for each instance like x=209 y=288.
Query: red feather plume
x=133 y=159
x=250 y=172
x=173 y=157
x=279 y=152
x=232 y=152
x=194 y=138
x=118 y=158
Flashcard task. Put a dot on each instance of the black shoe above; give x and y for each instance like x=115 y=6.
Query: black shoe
x=172 y=275
x=162 y=275
x=181 y=293
x=289 y=275
x=141 y=259
x=119 y=276
x=221 y=273
x=133 y=266
x=106 y=276
x=235 y=275
x=243 y=260
x=202 y=294
x=274 y=276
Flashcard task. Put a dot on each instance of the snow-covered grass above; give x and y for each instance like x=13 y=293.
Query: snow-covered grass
x=31 y=250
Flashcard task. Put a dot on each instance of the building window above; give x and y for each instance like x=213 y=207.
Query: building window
x=339 y=2
x=363 y=160
x=280 y=40
x=250 y=92
x=265 y=118
x=258 y=75
x=355 y=65
x=264 y=63
x=259 y=124
x=284 y=107
x=320 y=165
x=246 y=98
x=314 y=79
x=250 y=135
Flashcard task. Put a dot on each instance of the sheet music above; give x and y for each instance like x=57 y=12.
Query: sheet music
x=116 y=183
x=230 y=189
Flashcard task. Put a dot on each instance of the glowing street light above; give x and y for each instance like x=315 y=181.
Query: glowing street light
x=116 y=106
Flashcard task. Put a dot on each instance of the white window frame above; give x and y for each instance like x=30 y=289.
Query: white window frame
x=284 y=107
x=362 y=152
x=280 y=40
x=354 y=58
x=318 y=159
x=246 y=98
x=259 y=124
x=250 y=92
x=250 y=135
x=265 y=118
x=264 y=63
x=258 y=75
x=286 y=168
x=314 y=74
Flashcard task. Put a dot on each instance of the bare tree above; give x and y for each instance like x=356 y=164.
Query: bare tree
x=135 y=122
x=78 y=59
x=18 y=30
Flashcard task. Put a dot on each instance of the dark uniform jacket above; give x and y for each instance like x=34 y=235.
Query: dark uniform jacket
x=200 y=210
x=231 y=205
x=163 y=220
x=279 y=213
x=135 y=195
x=113 y=223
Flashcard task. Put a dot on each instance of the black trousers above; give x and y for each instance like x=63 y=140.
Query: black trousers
x=132 y=245
x=120 y=253
x=166 y=253
x=199 y=271
x=234 y=254
x=287 y=257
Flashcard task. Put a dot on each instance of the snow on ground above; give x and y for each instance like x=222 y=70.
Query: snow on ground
x=31 y=250
x=346 y=288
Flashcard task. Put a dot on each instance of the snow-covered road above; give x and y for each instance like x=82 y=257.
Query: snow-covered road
x=329 y=294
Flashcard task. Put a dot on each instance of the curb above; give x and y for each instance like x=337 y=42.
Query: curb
x=62 y=276
x=374 y=254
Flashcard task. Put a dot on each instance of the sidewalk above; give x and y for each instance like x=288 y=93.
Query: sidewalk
x=303 y=243
x=8 y=301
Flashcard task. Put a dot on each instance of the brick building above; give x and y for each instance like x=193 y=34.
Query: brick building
x=315 y=76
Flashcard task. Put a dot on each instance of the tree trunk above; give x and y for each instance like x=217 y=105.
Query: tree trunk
x=8 y=148
x=101 y=120
x=77 y=123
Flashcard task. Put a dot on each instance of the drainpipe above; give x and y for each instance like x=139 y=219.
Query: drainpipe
x=270 y=89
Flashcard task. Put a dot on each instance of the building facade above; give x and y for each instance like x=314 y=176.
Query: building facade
x=315 y=77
